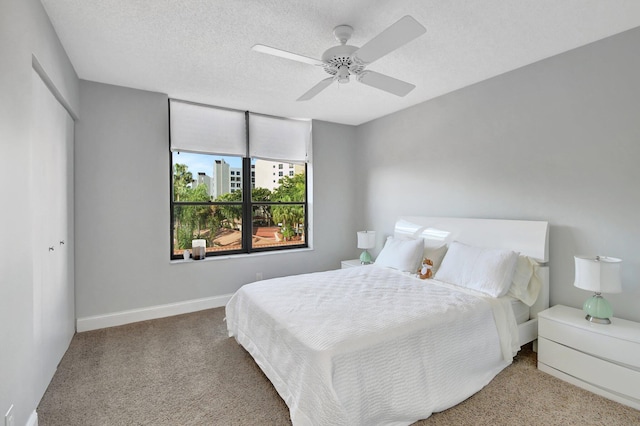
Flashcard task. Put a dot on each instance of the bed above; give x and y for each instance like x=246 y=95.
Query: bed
x=375 y=344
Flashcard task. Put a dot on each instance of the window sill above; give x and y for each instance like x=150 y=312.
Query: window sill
x=242 y=256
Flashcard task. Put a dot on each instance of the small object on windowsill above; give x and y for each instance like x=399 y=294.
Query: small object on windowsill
x=186 y=254
x=199 y=248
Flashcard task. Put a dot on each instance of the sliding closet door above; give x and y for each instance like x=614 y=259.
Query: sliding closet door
x=51 y=187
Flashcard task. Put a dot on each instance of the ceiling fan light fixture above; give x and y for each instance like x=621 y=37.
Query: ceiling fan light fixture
x=343 y=75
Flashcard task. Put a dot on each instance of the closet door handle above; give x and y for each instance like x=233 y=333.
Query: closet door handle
x=51 y=249
x=62 y=242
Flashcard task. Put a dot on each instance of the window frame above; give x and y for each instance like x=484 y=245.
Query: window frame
x=247 y=204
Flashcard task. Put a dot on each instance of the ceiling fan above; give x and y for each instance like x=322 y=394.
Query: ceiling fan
x=344 y=60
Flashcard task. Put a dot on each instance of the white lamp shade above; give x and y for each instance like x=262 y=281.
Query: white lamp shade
x=366 y=239
x=599 y=274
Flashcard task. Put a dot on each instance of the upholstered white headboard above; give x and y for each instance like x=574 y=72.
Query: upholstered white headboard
x=529 y=238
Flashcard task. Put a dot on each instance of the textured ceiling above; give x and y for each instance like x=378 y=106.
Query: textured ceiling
x=200 y=50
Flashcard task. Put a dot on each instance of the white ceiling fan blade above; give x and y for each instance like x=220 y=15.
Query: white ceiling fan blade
x=316 y=89
x=398 y=34
x=287 y=55
x=386 y=83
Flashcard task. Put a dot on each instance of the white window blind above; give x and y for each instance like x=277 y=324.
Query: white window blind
x=279 y=139
x=209 y=130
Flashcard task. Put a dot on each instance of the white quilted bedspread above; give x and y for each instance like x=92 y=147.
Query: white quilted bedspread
x=368 y=345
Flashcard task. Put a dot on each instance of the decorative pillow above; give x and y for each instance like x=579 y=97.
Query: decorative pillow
x=435 y=254
x=402 y=254
x=525 y=286
x=489 y=271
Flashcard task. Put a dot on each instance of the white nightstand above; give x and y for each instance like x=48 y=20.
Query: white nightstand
x=350 y=263
x=604 y=359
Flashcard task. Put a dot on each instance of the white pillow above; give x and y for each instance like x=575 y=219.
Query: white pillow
x=489 y=271
x=525 y=286
x=402 y=254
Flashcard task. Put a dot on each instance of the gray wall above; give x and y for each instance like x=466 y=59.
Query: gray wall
x=558 y=140
x=122 y=209
x=24 y=31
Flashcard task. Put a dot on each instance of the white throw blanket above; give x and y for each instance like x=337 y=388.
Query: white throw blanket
x=369 y=345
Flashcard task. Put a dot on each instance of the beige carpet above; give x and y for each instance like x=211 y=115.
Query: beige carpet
x=184 y=370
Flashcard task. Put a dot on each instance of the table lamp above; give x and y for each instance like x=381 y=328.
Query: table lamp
x=599 y=274
x=366 y=240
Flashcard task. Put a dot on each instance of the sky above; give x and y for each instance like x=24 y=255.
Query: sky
x=203 y=162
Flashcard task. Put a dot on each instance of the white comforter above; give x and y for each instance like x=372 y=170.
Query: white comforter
x=368 y=345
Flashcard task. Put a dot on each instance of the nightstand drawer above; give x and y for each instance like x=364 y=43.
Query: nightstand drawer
x=589 y=369
x=591 y=338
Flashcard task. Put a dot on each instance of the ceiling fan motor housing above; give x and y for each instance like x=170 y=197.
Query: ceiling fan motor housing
x=338 y=56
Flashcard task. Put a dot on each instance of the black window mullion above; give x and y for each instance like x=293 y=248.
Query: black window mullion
x=247 y=219
x=247 y=211
x=171 y=194
x=306 y=206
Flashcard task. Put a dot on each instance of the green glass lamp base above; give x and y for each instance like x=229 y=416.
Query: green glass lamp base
x=365 y=258
x=598 y=309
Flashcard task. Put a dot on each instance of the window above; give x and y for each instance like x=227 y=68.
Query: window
x=234 y=203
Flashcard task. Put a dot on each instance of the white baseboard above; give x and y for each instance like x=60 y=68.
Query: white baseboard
x=33 y=419
x=152 y=312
